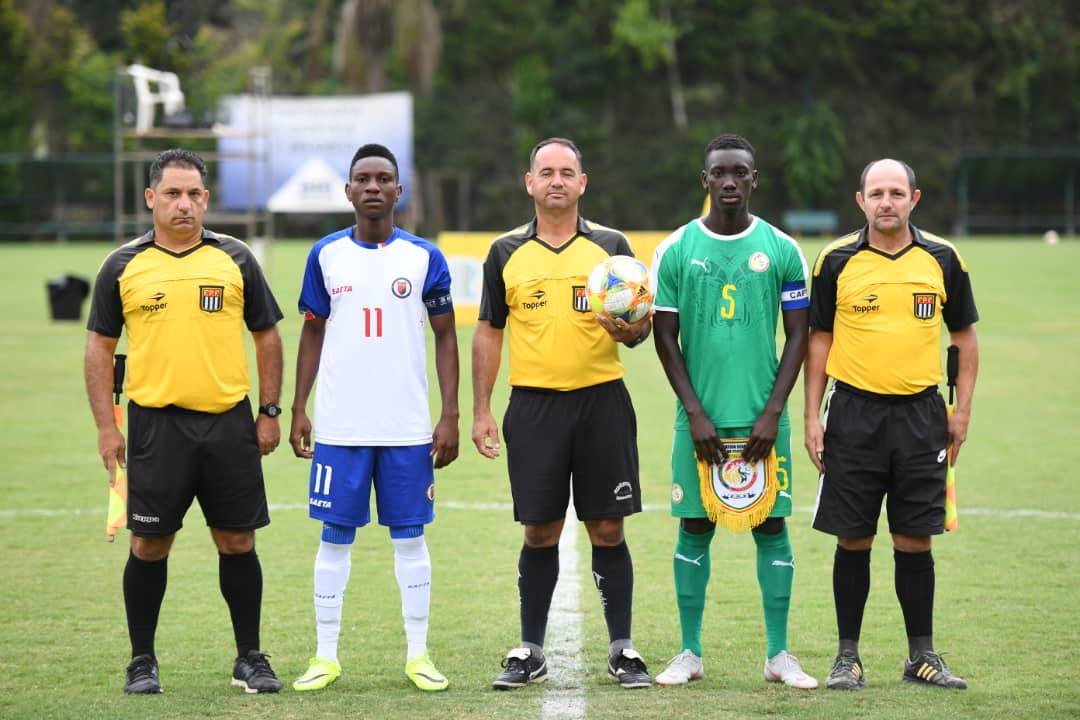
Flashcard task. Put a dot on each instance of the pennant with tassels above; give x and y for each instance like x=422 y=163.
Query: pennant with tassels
x=738 y=495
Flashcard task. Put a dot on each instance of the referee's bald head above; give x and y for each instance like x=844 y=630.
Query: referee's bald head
x=907 y=170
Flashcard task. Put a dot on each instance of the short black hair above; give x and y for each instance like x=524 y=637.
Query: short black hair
x=872 y=163
x=374 y=150
x=566 y=142
x=729 y=141
x=175 y=158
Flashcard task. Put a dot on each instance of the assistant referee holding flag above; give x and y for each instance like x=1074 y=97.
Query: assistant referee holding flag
x=185 y=295
x=877 y=303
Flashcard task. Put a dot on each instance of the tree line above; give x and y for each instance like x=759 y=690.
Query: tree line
x=641 y=85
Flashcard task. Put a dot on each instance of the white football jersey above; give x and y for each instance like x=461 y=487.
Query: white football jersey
x=372 y=383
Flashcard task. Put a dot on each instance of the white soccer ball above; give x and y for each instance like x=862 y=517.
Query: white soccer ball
x=619 y=288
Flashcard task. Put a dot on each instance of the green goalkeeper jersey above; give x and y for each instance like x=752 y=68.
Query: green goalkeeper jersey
x=728 y=291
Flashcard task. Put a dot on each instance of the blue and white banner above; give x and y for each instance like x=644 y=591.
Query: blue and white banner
x=308 y=143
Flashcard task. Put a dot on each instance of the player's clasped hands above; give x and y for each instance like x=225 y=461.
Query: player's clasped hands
x=762 y=437
x=706 y=444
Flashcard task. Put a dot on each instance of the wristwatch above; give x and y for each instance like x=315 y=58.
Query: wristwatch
x=270 y=410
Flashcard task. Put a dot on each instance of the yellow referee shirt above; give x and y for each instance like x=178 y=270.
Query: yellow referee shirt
x=886 y=311
x=538 y=292
x=185 y=315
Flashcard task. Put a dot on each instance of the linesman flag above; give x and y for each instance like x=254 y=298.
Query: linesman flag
x=117 y=514
x=952 y=367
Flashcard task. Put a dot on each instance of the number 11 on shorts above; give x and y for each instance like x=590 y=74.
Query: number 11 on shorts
x=322 y=479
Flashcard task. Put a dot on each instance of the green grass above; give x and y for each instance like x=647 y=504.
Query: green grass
x=1006 y=602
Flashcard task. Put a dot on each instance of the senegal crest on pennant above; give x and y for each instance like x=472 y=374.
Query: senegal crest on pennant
x=738 y=495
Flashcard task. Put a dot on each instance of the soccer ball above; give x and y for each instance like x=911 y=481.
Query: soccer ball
x=619 y=288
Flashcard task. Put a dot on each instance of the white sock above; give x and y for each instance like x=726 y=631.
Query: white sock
x=412 y=567
x=332 y=565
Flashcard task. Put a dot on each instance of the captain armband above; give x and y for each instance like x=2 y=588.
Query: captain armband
x=438 y=302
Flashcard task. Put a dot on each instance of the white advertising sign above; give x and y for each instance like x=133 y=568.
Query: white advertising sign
x=308 y=143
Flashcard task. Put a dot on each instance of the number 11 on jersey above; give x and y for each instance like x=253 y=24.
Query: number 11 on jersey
x=373 y=315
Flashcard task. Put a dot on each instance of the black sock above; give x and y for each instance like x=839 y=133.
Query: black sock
x=538 y=571
x=851 y=588
x=240 y=577
x=613 y=572
x=915 y=591
x=144 y=590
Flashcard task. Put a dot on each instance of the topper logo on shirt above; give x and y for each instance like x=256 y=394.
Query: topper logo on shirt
x=401 y=287
x=156 y=304
x=536 y=302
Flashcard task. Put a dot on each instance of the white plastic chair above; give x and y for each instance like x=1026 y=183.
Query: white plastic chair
x=166 y=91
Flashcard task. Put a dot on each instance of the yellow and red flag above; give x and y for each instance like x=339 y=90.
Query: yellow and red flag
x=952 y=368
x=952 y=520
x=116 y=517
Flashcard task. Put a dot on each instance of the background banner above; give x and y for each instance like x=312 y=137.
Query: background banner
x=308 y=142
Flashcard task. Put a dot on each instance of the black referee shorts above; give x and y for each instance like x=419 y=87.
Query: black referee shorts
x=883 y=446
x=177 y=455
x=586 y=438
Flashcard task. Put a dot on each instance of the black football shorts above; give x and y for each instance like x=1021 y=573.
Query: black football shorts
x=883 y=447
x=177 y=455
x=585 y=439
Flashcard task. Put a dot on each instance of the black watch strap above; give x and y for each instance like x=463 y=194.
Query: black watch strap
x=270 y=410
x=637 y=341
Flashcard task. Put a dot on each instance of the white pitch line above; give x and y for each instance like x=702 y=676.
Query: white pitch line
x=997 y=513
x=501 y=507
x=564 y=693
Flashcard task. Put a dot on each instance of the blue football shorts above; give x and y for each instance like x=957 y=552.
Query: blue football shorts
x=342 y=477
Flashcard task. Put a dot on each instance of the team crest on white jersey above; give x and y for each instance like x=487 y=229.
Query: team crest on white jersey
x=759 y=262
x=401 y=287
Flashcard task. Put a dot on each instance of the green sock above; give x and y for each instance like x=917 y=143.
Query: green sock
x=691 y=565
x=775 y=570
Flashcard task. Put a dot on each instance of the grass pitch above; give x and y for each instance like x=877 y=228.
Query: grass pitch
x=1006 y=602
